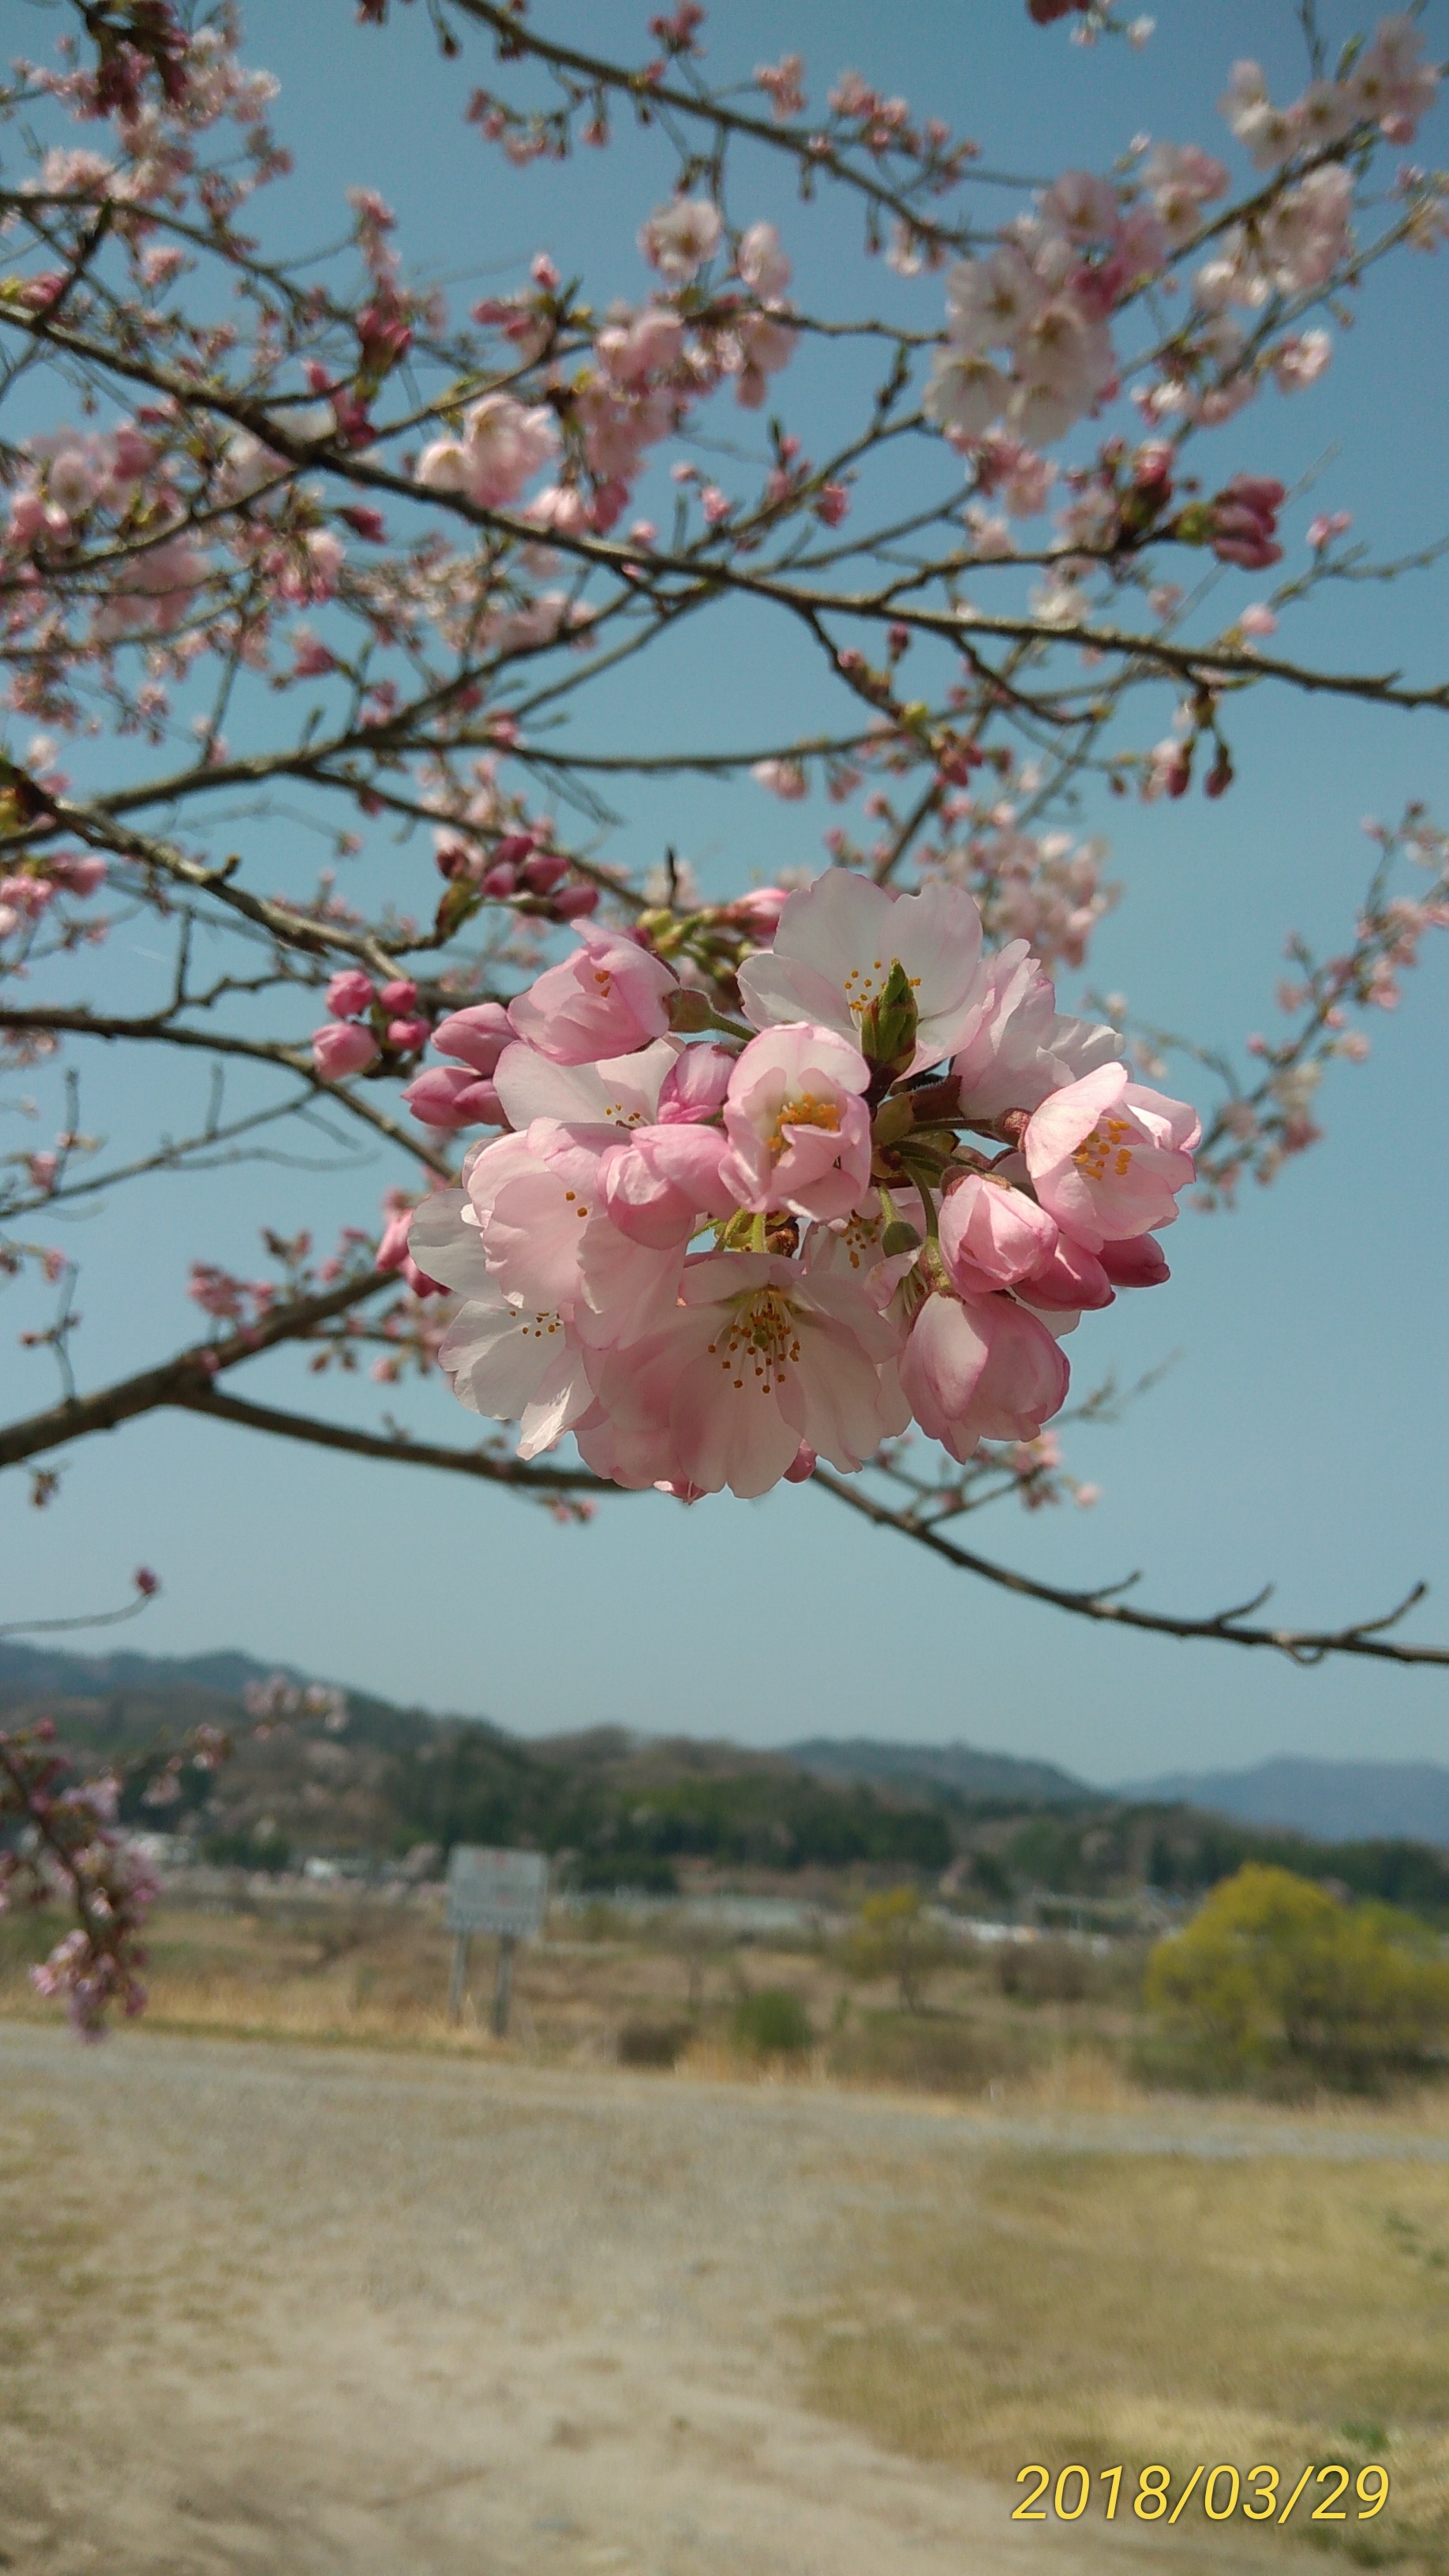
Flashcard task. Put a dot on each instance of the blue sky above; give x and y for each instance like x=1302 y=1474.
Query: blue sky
x=1300 y=1434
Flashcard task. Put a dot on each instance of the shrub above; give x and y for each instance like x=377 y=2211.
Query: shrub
x=1275 y=1976
x=772 y=2023
x=894 y=1937
x=1043 y=1972
x=653 y=2043
x=928 y=2054
x=251 y=1847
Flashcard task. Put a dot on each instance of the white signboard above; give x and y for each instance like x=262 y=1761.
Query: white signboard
x=497 y=1891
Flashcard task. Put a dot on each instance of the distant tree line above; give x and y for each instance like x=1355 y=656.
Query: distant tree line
x=465 y=1787
x=1185 y=1853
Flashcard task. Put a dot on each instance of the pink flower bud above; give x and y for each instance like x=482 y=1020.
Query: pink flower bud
x=349 y=994
x=501 y=879
x=574 y=902
x=543 y=872
x=449 y=1095
x=79 y=872
x=478 y=1035
x=696 y=1088
x=341 y=1047
x=399 y=996
x=409 y=1036
x=513 y=849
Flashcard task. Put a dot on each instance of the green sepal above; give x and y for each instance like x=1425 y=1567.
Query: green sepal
x=888 y=1025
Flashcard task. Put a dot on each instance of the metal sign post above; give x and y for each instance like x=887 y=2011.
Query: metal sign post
x=458 y=1981
x=502 y=1892
x=503 y=1985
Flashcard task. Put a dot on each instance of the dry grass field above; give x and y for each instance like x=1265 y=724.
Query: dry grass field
x=299 y=2280
x=331 y=1966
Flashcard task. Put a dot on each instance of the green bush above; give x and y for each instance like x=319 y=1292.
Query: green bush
x=253 y=1847
x=772 y=2023
x=895 y=1937
x=1275 y=1978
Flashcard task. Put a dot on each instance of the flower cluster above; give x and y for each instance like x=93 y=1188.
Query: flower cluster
x=70 y=1847
x=714 y=1263
x=1043 y=296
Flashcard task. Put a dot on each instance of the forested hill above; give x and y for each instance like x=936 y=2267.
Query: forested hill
x=659 y=1812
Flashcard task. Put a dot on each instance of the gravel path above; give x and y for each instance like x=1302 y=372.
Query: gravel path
x=314 y=2312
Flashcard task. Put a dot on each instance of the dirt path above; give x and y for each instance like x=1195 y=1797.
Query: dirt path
x=326 y=2313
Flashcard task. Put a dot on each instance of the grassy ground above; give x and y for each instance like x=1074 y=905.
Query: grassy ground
x=1106 y=2308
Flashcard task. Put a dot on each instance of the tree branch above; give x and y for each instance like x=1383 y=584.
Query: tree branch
x=376 y=1444
x=193 y=1368
x=1301 y=1645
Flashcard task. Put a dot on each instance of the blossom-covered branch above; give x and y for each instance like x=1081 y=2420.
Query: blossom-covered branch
x=304 y=563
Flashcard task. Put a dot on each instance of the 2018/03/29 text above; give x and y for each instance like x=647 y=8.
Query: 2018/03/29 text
x=1222 y=2492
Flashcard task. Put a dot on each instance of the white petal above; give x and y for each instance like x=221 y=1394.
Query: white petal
x=623 y=1091
x=776 y=990
x=447 y=1247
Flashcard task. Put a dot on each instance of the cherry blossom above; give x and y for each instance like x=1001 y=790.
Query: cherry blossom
x=1108 y=1158
x=606 y=999
x=981 y=1368
x=799 y=1132
x=756 y=1359
x=834 y=951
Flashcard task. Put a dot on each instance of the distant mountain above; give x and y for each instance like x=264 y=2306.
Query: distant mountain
x=926 y=1768
x=1334 y=1801
x=33 y=1672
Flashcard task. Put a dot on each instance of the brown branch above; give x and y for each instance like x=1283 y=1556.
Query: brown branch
x=1204 y=664
x=190 y=1369
x=376 y=1444
x=1301 y=1645
x=805 y=145
x=158 y=1029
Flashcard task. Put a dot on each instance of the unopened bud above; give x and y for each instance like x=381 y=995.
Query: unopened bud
x=888 y=1024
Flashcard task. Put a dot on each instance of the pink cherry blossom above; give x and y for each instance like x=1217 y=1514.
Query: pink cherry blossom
x=981 y=1369
x=550 y=1241
x=502 y=445
x=1070 y=1281
x=609 y=997
x=1019 y=1048
x=619 y=1092
x=835 y=947
x=659 y=1181
x=784 y=778
x=762 y=263
x=758 y=911
x=799 y=1132
x=1108 y=1158
x=756 y=1358
x=510 y=1363
x=679 y=238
